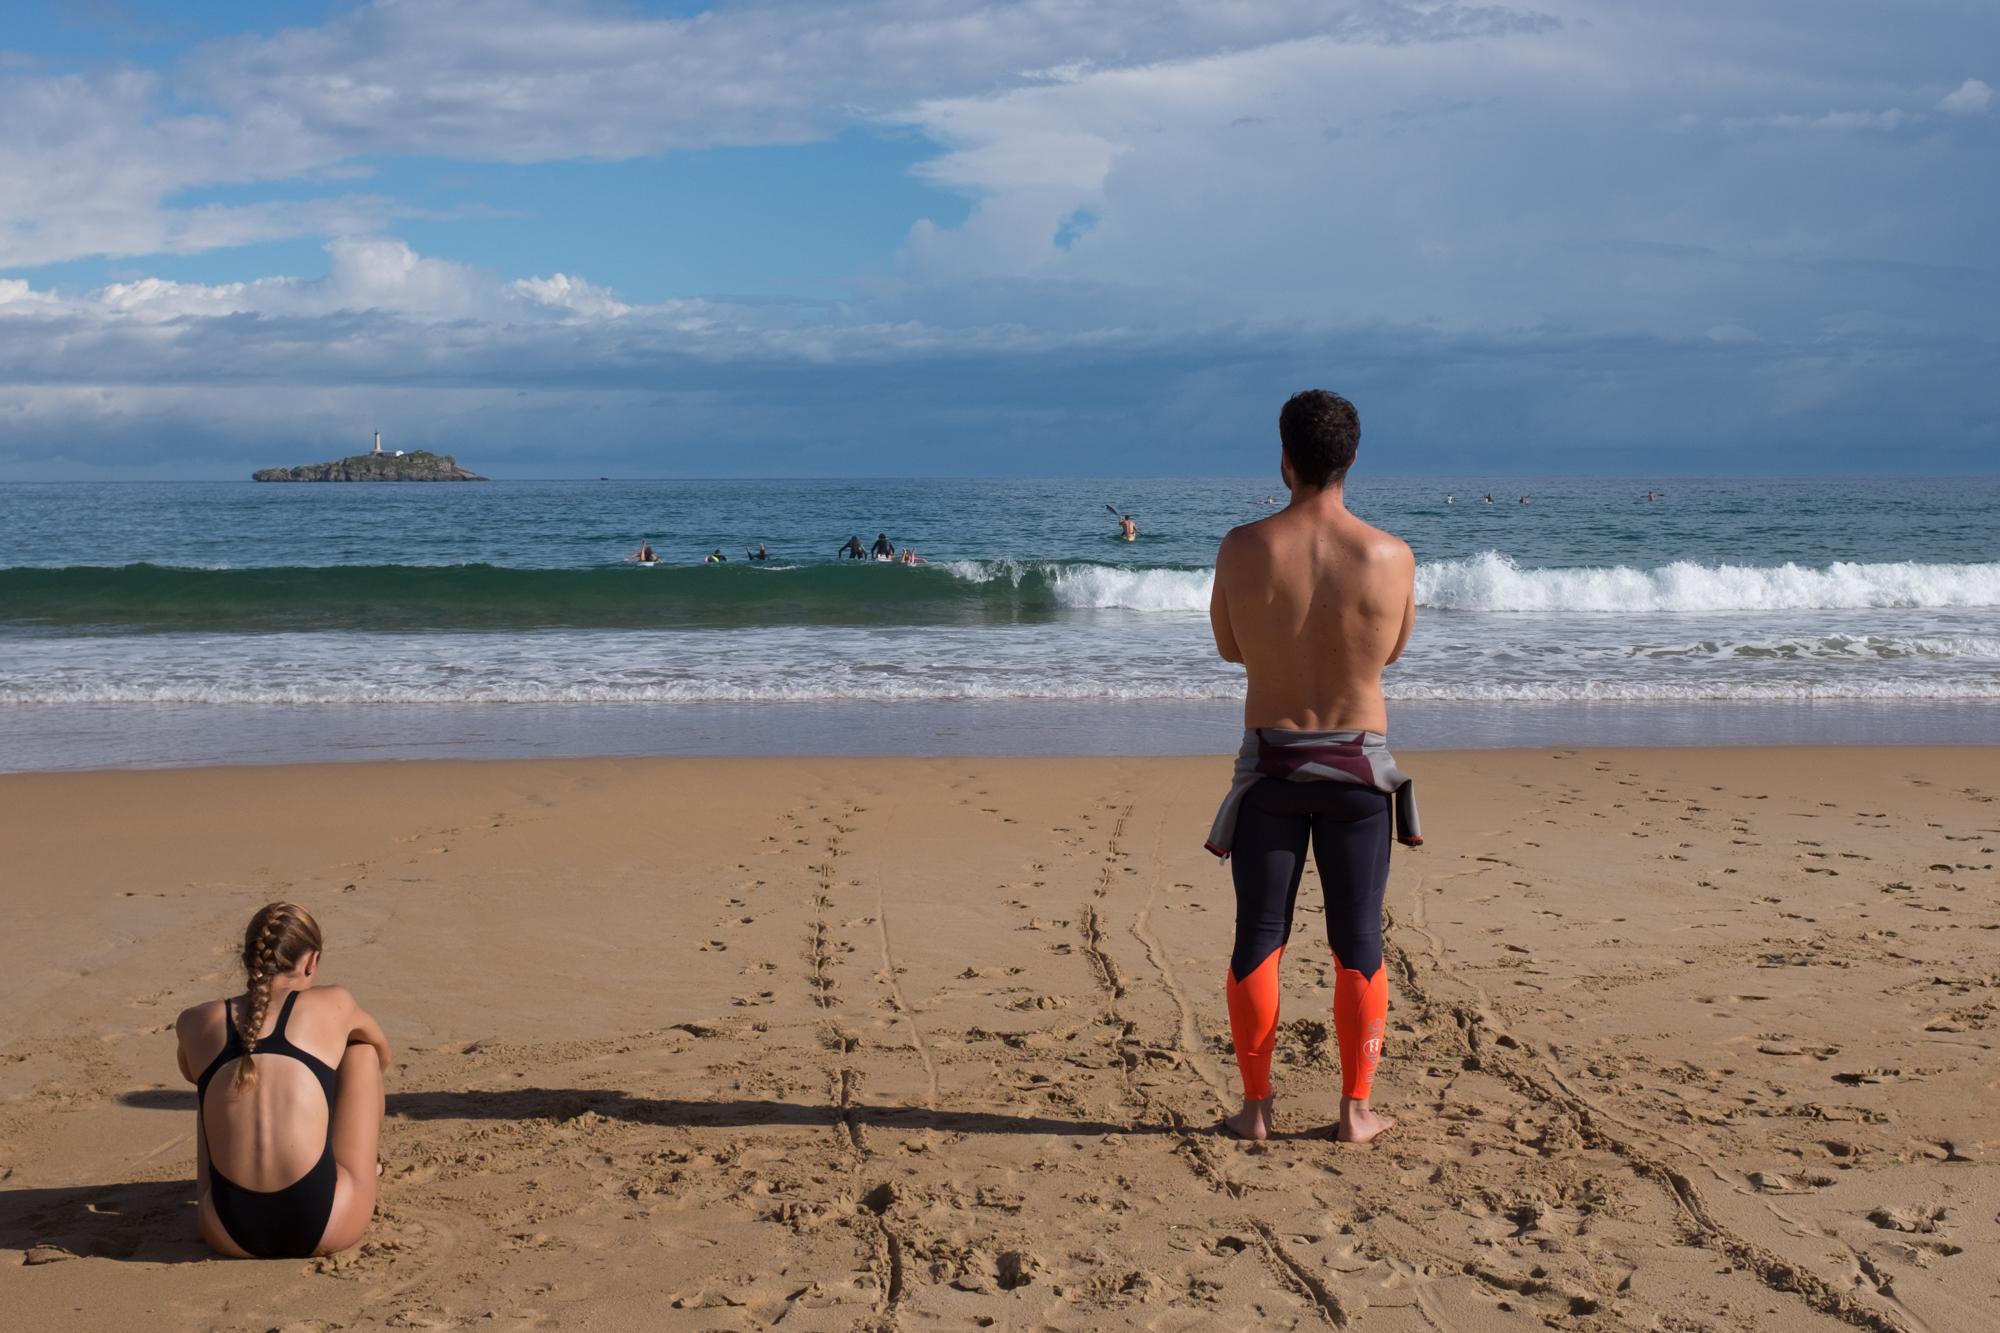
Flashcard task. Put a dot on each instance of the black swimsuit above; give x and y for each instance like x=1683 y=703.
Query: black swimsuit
x=275 y=1224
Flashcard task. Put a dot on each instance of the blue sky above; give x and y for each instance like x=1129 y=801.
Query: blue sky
x=948 y=237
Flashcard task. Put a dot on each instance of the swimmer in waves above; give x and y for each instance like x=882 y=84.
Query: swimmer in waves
x=644 y=555
x=910 y=557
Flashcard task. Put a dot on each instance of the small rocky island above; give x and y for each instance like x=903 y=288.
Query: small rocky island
x=417 y=465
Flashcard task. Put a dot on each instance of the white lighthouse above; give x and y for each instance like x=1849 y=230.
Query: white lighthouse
x=378 y=442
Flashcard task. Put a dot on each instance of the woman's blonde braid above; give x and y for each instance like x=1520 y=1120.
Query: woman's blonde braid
x=263 y=971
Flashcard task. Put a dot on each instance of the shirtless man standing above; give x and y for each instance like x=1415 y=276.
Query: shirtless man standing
x=1314 y=603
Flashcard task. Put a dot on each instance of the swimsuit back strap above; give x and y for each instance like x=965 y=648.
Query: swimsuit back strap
x=232 y=1047
x=284 y=1016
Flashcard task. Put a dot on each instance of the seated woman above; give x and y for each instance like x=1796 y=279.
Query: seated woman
x=288 y=1101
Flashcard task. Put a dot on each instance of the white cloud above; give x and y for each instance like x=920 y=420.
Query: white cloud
x=1152 y=185
x=527 y=80
x=1837 y=121
x=1518 y=180
x=95 y=164
x=1969 y=99
x=364 y=275
x=560 y=291
x=17 y=297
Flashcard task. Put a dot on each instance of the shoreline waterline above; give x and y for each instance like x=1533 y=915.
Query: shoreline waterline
x=82 y=738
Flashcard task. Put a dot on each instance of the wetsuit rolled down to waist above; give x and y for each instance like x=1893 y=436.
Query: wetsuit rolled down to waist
x=1342 y=792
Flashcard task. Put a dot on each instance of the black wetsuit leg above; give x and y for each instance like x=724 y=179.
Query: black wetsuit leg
x=1349 y=828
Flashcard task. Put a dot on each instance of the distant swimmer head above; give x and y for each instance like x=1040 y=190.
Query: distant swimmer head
x=281 y=939
x=1320 y=432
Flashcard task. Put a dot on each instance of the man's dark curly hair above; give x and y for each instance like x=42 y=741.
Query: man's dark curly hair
x=1320 y=432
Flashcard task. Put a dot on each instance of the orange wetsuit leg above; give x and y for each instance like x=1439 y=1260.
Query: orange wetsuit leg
x=1253 y=1023
x=1360 y=1013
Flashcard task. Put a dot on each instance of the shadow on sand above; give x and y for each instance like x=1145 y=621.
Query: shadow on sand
x=569 y=1103
x=154 y=1222
x=141 y=1221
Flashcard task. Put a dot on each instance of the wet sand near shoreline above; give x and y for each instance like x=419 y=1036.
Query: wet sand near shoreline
x=1679 y=1039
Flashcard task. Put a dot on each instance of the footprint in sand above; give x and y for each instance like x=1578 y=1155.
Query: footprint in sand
x=1773 y=1182
x=1924 y=1219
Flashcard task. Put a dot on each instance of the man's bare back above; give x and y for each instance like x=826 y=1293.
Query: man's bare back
x=1314 y=603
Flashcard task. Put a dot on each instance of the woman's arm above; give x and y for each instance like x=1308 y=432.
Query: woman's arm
x=366 y=1030
x=363 y=1030
x=182 y=1026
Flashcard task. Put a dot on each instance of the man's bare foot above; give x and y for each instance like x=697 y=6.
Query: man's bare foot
x=1358 y=1124
x=1253 y=1122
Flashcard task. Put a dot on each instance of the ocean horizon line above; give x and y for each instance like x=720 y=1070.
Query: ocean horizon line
x=1269 y=480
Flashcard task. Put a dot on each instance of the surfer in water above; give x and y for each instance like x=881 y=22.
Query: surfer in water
x=759 y=554
x=883 y=549
x=1128 y=529
x=716 y=557
x=852 y=551
x=644 y=555
x=910 y=557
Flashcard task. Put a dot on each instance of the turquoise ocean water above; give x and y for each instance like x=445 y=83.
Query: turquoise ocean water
x=154 y=623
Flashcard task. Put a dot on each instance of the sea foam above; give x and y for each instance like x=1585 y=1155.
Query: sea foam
x=1493 y=582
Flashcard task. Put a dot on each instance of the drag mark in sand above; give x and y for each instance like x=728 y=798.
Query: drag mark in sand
x=1192 y=1146
x=886 y=1254
x=1093 y=922
x=1488 y=1046
x=1142 y=930
x=891 y=974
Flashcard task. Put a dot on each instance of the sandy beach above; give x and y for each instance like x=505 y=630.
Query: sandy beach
x=1679 y=1039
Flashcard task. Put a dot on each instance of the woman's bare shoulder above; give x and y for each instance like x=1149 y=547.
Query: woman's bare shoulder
x=197 y=1017
x=198 y=1035
x=333 y=1003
